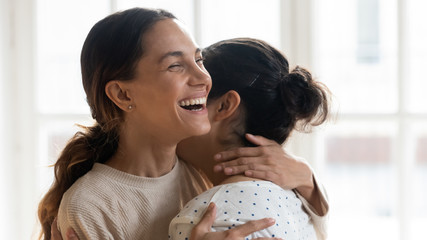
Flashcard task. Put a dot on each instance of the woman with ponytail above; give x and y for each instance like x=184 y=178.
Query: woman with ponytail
x=255 y=92
x=146 y=86
x=135 y=94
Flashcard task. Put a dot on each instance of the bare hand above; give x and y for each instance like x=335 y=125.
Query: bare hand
x=202 y=231
x=268 y=161
x=56 y=235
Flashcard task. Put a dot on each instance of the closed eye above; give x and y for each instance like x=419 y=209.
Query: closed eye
x=200 y=60
x=174 y=67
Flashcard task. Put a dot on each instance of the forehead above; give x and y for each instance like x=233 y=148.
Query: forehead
x=167 y=36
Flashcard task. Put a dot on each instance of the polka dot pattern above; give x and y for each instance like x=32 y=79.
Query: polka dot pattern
x=241 y=202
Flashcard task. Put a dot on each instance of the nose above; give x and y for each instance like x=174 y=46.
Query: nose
x=200 y=76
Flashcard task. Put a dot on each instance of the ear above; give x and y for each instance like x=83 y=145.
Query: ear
x=226 y=105
x=118 y=94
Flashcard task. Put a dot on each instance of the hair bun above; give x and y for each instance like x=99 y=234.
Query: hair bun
x=299 y=77
x=294 y=88
x=304 y=98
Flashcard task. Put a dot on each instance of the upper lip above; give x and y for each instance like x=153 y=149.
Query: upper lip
x=194 y=96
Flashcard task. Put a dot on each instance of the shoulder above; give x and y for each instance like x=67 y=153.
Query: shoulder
x=87 y=207
x=87 y=186
x=90 y=193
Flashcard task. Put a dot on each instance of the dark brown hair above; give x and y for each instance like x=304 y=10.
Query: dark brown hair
x=273 y=99
x=110 y=52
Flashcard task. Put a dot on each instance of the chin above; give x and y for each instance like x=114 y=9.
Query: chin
x=199 y=128
x=204 y=129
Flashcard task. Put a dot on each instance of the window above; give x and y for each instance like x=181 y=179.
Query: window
x=371 y=54
x=367 y=31
x=373 y=164
x=60 y=98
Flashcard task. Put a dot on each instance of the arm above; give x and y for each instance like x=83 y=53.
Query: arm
x=201 y=231
x=270 y=162
x=319 y=221
x=56 y=235
x=87 y=218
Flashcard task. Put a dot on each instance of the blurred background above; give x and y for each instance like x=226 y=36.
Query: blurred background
x=371 y=53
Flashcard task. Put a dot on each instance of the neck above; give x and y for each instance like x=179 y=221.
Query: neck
x=208 y=164
x=144 y=156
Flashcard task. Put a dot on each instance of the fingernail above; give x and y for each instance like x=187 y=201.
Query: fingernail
x=217 y=156
x=217 y=168
x=249 y=173
x=211 y=205
x=271 y=220
x=228 y=171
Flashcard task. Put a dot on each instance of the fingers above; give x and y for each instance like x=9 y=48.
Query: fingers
x=237 y=153
x=241 y=162
x=252 y=226
x=71 y=235
x=205 y=224
x=237 y=169
x=265 y=175
x=259 y=140
x=54 y=232
x=266 y=146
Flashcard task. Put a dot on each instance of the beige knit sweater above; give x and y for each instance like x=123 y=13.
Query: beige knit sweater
x=109 y=204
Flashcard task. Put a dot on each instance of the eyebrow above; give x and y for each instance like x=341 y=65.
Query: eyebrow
x=176 y=54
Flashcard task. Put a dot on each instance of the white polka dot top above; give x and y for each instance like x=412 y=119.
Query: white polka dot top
x=241 y=202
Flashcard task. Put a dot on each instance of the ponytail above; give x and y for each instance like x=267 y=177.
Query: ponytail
x=93 y=144
x=111 y=51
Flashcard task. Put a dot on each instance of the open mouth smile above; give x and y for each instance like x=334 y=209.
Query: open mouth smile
x=194 y=104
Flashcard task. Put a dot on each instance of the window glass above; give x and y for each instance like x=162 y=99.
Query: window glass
x=419 y=185
x=223 y=19
x=359 y=176
x=416 y=80
x=368 y=31
x=356 y=50
x=182 y=9
x=62 y=27
x=53 y=135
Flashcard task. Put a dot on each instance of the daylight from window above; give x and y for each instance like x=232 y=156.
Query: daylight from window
x=371 y=157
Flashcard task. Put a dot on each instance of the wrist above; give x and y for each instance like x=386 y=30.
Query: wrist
x=307 y=189
x=307 y=182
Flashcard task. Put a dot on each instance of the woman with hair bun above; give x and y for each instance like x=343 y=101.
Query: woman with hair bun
x=254 y=92
x=146 y=86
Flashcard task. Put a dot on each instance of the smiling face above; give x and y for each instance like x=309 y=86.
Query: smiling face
x=171 y=85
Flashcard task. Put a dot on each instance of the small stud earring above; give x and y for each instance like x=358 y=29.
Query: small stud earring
x=130 y=107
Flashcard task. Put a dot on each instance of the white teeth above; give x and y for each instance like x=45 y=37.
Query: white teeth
x=194 y=101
